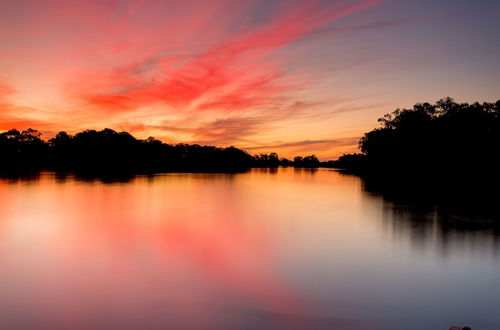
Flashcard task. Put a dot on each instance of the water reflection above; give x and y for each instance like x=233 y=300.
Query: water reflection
x=16 y=177
x=107 y=178
x=92 y=247
x=268 y=249
x=447 y=220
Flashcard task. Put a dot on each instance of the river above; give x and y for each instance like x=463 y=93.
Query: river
x=267 y=249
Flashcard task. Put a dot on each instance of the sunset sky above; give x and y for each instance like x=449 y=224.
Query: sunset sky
x=297 y=77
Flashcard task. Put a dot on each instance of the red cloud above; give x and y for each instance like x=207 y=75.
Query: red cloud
x=221 y=71
x=233 y=74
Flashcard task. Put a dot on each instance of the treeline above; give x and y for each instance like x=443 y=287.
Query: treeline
x=272 y=160
x=442 y=139
x=119 y=152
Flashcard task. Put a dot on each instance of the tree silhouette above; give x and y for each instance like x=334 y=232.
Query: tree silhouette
x=444 y=138
x=22 y=149
x=119 y=152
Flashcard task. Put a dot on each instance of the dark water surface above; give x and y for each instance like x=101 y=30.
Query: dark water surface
x=285 y=249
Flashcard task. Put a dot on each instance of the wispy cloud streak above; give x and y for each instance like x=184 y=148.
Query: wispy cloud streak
x=210 y=72
x=233 y=74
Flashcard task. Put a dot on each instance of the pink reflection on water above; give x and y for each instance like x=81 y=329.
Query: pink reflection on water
x=146 y=254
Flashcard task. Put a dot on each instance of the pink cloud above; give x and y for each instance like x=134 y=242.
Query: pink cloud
x=223 y=67
x=234 y=73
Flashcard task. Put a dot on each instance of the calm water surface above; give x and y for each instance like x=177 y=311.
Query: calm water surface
x=286 y=249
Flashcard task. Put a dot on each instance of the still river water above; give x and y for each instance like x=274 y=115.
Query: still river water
x=286 y=249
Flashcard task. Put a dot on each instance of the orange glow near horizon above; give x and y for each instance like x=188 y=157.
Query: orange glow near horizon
x=288 y=76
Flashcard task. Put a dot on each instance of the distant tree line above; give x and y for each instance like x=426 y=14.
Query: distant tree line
x=272 y=160
x=432 y=139
x=120 y=152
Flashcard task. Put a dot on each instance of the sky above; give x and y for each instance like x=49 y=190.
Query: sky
x=296 y=77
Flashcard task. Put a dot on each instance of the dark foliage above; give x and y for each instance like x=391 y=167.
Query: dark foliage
x=440 y=139
x=349 y=161
x=267 y=160
x=22 y=149
x=272 y=160
x=110 y=151
x=107 y=151
x=308 y=161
